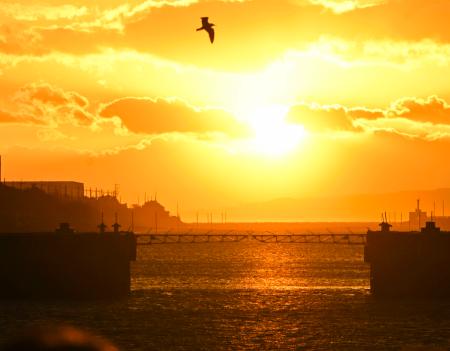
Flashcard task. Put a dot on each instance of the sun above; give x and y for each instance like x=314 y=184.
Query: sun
x=272 y=135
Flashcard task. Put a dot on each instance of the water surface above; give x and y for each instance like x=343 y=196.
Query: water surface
x=232 y=296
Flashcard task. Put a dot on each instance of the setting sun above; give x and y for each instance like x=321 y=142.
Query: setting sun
x=118 y=96
x=271 y=134
x=221 y=166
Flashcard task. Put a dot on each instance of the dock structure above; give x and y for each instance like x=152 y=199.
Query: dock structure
x=266 y=237
x=409 y=264
x=66 y=264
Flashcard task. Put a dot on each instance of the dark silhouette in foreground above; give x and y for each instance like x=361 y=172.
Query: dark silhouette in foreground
x=413 y=264
x=208 y=27
x=66 y=265
x=58 y=339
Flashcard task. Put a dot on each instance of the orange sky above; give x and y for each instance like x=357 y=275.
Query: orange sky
x=295 y=97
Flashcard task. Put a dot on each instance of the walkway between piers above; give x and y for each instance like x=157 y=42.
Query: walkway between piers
x=265 y=237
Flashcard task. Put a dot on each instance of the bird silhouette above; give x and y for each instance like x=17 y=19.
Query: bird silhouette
x=208 y=27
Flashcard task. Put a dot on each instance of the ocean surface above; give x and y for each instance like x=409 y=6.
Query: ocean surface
x=247 y=296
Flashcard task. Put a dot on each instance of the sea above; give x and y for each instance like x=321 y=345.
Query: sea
x=247 y=296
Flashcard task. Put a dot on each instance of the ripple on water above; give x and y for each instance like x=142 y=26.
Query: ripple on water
x=247 y=296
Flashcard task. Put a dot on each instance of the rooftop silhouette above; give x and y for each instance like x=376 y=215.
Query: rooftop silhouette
x=32 y=209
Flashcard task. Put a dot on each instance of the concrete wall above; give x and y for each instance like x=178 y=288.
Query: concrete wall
x=409 y=264
x=61 y=265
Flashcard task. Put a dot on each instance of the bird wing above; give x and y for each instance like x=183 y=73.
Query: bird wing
x=211 y=34
x=204 y=21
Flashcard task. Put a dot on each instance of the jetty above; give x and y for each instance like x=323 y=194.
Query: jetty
x=409 y=264
x=66 y=264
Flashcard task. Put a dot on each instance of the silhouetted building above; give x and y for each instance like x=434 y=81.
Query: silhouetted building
x=60 y=189
x=152 y=215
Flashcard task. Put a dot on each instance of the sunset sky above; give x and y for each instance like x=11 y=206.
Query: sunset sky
x=295 y=98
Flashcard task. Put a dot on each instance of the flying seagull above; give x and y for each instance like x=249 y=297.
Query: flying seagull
x=208 y=27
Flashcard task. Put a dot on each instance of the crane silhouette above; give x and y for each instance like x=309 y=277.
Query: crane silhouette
x=207 y=27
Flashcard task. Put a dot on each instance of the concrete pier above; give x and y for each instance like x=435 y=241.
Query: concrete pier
x=412 y=264
x=64 y=264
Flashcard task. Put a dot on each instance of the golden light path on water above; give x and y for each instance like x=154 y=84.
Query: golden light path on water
x=235 y=266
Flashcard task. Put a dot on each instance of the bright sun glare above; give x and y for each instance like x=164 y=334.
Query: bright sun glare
x=273 y=136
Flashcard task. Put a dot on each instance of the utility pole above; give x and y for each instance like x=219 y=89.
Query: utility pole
x=132 y=221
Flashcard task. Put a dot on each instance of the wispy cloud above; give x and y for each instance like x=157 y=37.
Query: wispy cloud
x=341 y=6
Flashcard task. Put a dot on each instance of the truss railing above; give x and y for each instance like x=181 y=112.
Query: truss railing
x=265 y=237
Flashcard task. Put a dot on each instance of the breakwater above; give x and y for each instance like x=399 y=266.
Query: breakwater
x=66 y=265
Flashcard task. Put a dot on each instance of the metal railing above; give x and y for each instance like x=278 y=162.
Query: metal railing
x=265 y=237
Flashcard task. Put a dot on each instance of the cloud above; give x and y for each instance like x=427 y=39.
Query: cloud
x=318 y=118
x=6 y=117
x=153 y=116
x=432 y=109
x=365 y=113
x=384 y=34
x=314 y=62
x=46 y=94
x=38 y=29
x=41 y=13
x=423 y=118
x=378 y=51
x=42 y=116
x=52 y=105
x=83 y=15
x=10 y=117
x=341 y=6
x=142 y=26
x=17 y=38
x=406 y=128
x=320 y=73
